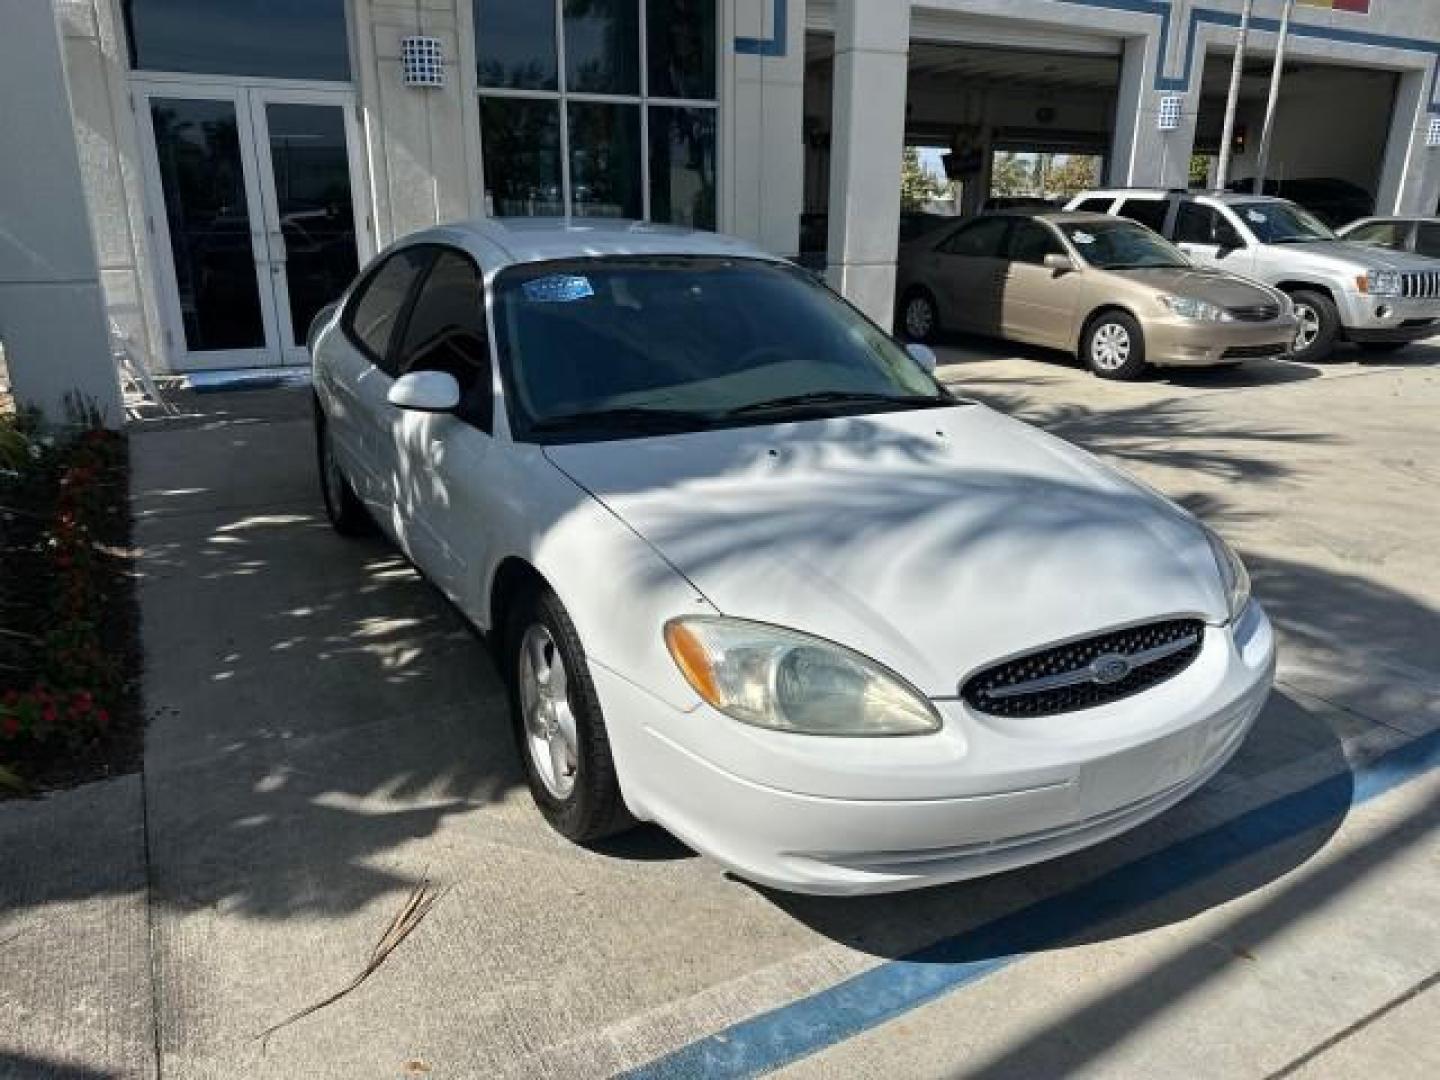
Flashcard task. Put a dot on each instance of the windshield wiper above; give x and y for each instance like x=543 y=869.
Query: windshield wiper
x=820 y=398
x=637 y=418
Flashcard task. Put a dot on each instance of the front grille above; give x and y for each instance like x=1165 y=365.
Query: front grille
x=1420 y=286
x=1063 y=679
x=1255 y=313
x=1254 y=352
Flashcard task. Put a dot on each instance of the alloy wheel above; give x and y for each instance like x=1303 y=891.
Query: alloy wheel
x=919 y=318
x=1309 y=329
x=551 y=736
x=1110 y=346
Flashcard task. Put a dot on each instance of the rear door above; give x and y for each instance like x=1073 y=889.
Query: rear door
x=970 y=268
x=1037 y=303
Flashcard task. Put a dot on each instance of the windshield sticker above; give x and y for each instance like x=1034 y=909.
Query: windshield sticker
x=1082 y=237
x=558 y=289
x=1256 y=216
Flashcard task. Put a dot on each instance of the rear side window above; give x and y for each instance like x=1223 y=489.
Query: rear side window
x=1096 y=204
x=1148 y=212
x=979 y=239
x=377 y=306
x=1428 y=241
x=446 y=332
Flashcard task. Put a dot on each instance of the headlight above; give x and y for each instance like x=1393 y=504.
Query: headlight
x=1233 y=576
x=1380 y=283
x=787 y=681
x=1189 y=307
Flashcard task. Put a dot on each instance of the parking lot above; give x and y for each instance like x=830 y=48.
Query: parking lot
x=326 y=734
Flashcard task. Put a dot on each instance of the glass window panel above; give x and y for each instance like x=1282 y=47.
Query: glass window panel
x=605 y=160
x=197 y=145
x=521 y=146
x=317 y=215
x=681 y=48
x=682 y=166
x=274 y=38
x=515 y=44
x=602 y=46
x=376 y=309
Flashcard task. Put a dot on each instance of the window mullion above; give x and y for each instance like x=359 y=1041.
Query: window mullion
x=563 y=83
x=644 y=149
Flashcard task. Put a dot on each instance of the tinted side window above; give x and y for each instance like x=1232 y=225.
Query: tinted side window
x=1096 y=204
x=1030 y=242
x=376 y=308
x=979 y=239
x=447 y=332
x=1197 y=223
x=1148 y=212
x=1428 y=241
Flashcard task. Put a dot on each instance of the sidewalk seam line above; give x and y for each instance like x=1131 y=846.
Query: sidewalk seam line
x=150 y=919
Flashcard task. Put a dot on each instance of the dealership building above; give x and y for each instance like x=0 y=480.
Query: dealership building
x=203 y=175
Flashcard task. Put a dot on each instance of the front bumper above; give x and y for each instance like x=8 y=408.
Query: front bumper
x=1018 y=792
x=1175 y=342
x=1380 y=319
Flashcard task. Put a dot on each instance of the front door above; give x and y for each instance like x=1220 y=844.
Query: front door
x=254 y=213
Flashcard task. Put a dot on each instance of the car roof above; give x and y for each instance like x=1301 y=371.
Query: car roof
x=513 y=241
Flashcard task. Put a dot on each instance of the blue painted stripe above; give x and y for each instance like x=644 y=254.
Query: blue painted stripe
x=793 y=1031
x=1161 y=9
x=775 y=44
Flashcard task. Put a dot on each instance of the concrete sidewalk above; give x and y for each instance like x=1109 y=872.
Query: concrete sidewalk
x=326 y=733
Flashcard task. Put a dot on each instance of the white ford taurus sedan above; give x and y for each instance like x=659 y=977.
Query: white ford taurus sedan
x=753 y=574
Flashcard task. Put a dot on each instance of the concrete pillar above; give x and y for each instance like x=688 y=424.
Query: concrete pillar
x=423 y=142
x=1410 y=174
x=1142 y=155
x=52 y=315
x=766 y=105
x=872 y=52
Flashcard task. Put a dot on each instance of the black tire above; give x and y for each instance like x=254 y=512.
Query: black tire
x=920 y=305
x=1326 y=328
x=1384 y=347
x=342 y=506
x=1113 y=347
x=593 y=808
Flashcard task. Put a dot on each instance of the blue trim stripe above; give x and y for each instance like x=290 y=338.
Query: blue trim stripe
x=1181 y=83
x=775 y=44
x=804 y=1027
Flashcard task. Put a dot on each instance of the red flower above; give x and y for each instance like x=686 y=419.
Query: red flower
x=102 y=717
x=10 y=726
x=49 y=715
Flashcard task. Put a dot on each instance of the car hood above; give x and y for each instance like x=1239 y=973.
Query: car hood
x=935 y=541
x=1213 y=286
x=1350 y=255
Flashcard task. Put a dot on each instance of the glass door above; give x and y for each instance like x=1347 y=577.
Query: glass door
x=258 y=224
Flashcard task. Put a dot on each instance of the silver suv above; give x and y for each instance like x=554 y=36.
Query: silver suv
x=1342 y=290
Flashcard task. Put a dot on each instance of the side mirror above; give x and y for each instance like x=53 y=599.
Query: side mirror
x=1055 y=261
x=425 y=391
x=923 y=355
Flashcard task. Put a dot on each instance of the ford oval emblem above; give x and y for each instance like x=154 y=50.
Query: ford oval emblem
x=1110 y=668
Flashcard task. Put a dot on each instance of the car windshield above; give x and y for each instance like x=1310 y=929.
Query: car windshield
x=1121 y=245
x=1281 y=223
x=614 y=347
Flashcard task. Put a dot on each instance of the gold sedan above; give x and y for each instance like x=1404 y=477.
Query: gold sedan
x=1111 y=290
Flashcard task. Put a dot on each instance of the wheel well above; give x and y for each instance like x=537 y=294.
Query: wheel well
x=513 y=579
x=1309 y=286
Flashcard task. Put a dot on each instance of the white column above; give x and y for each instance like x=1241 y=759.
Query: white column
x=52 y=315
x=1410 y=175
x=872 y=45
x=1142 y=155
x=764 y=190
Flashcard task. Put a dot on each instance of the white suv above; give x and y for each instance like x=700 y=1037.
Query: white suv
x=1342 y=290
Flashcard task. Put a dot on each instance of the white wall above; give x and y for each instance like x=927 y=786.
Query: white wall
x=52 y=318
